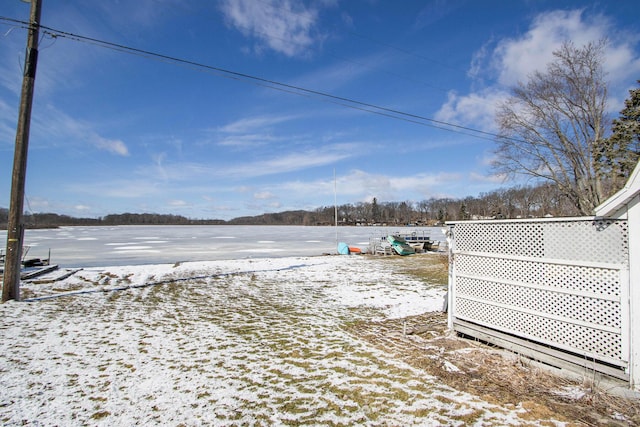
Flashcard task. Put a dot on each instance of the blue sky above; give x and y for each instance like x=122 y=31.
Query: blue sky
x=114 y=132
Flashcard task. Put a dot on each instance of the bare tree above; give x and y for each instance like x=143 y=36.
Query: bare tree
x=552 y=127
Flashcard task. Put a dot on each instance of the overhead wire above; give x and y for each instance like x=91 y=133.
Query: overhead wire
x=271 y=84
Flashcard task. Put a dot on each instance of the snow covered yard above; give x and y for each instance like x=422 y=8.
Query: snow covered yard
x=247 y=342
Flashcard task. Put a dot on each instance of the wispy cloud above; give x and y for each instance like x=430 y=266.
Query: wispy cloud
x=251 y=124
x=293 y=161
x=347 y=70
x=167 y=171
x=252 y=131
x=247 y=141
x=264 y=195
x=65 y=128
x=12 y=55
x=284 y=26
x=178 y=203
x=113 y=146
x=7 y=123
x=434 y=11
x=364 y=186
x=144 y=13
x=119 y=188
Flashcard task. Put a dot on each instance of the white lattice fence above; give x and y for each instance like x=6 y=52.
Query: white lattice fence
x=561 y=284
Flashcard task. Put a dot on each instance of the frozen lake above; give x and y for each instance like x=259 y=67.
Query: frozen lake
x=126 y=245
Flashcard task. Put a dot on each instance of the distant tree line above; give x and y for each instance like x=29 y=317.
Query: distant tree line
x=154 y=219
x=516 y=202
x=52 y=220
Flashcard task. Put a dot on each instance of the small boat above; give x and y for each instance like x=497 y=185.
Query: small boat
x=417 y=246
x=400 y=245
x=344 y=249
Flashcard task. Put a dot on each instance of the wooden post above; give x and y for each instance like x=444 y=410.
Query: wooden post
x=15 y=226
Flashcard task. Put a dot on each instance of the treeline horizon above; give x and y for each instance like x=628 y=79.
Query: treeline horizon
x=517 y=202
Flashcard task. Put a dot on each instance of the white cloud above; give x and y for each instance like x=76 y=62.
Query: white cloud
x=7 y=123
x=284 y=26
x=55 y=125
x=125 y=188
x=483 y=178
x=251 y=132
x=264 y=195
x=331 y=77
x=163 y=171
x=252 y=124
x=178 y=203
x=513 y=60
x=114 y=146
x=292 y=161
x=362 y=185
x=247 y=141
x=11 y=63
x=477 y=108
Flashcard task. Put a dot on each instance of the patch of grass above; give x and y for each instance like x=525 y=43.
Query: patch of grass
x=129 y=366
x=469 y=418
x=432 y=268
x=444 y=399
x=100 y=415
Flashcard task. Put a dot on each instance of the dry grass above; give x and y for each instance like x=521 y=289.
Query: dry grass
x=493 y=374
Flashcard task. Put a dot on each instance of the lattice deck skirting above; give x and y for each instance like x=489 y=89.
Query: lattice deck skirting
x=561 y=285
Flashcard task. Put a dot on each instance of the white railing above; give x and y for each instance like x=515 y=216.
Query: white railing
x=557 y=289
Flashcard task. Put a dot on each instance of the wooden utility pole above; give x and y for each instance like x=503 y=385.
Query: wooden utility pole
x=15 y=226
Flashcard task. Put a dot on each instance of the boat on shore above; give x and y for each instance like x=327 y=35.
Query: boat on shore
x=400 y=245
x=345 y=249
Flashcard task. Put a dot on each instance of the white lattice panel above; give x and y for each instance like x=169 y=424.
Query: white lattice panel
x=593 y=240
x=603 y=345
x=564 y=277
x=596 y=312
x=511 y=238
x=559 y=282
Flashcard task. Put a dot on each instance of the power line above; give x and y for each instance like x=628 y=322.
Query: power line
x=272 y=84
